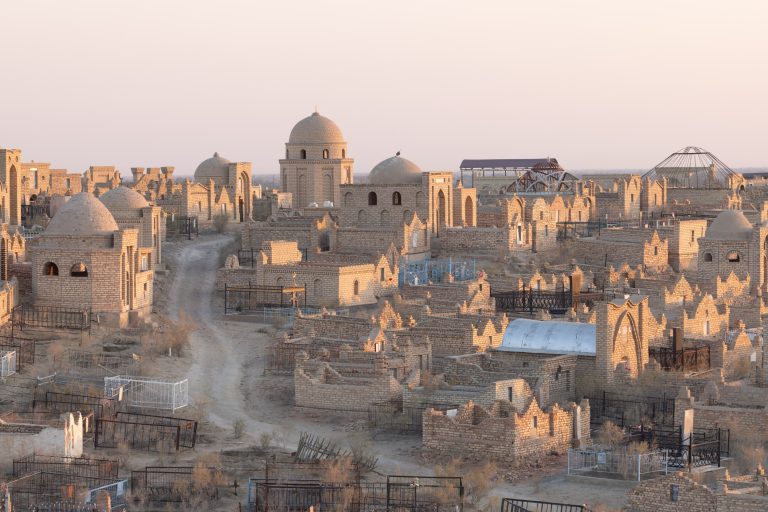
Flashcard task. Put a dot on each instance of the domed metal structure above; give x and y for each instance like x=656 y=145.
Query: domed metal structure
x=693 y=167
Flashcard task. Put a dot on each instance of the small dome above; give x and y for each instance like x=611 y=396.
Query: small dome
x=730 y=225
x=395 y=170
x=316 y=129
x=82 y=215
x=123 y=198
x=214 y=167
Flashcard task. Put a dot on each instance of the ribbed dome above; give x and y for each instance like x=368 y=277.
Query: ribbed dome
x=730 y=225
x=395 y=170
x=214 y=167
x=123 y=198
x=316 y=129
x=82 y=215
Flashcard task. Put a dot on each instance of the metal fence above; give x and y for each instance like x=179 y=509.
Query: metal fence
x=518 y=505
x=53 y=401
x=7 y=363
x=626 y=410
x=145 y=432
x=183 y=225
x=162 y=484
x=253 y=297
x=24 y=348
x=618 y=464
x=415 y=273
x=688 y=359
x=51 y=317
x=145 y=393
x=80 y=467
x=117 y=493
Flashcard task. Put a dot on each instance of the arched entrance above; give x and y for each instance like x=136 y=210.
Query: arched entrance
x=469 y=212
x=241 y=209
x=441 y=220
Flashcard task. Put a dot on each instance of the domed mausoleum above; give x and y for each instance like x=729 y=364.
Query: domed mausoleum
x=85 y=260
x=220 y=187
x=315 y=162
x=395 y=170
x=732 y=244
x=131 y=210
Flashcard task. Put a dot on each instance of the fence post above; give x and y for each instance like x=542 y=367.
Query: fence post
x=638 y=466
x=568 y=472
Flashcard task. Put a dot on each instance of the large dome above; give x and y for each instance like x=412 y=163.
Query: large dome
x=82 y=215
x=730 y=225
x=214 y=167
x=316 y=129
x=395 y=170
x=123 y=198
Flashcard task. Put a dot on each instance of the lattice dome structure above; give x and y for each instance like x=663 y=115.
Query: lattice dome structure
x=693 y=167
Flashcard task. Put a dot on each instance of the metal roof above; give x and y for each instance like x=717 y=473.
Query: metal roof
x=549 y=337
x=507 y=163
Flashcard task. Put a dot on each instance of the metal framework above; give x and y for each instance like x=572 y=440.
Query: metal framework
x=183 y=225
x=255 y=297
x=704 y=447
x=24 y=348
x=145 y=432
x=399 y=493
x=81 y=467
x=145 y=393
x=314 y=448
x=53 y=401
x=520 y=176
x=693 y=167
x=7 y=363
x=688 y=359
x=427 y=271
x=618 y=464
x=518 y=505
x=51 y=317
x=117 y=493
x=553 y=301
x=630 y=410
x=163 y=484
x=100 y=363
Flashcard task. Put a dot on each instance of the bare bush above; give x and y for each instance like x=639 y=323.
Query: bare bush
x=265 y=440
x=170 y=337
x=610 y=435
x=238 y=429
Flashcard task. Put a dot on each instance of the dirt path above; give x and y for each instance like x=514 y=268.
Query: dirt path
x=227 y=369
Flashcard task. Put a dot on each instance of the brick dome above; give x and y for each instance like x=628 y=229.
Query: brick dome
x=395 y=170
x=730 y=225
x=316 y=129
x=82 y=215
x=123 y=198
x=214 y=167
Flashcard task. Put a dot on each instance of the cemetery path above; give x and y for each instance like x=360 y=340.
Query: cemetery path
x=227 y=371
x=227 y=364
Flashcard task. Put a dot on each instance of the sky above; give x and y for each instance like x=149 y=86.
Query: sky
x=596 y=84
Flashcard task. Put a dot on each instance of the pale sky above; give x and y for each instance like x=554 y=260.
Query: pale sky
x=597 y=84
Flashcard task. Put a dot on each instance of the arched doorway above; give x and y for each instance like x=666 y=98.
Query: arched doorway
x=241 y=209
x=441 y=218
x=469 y=212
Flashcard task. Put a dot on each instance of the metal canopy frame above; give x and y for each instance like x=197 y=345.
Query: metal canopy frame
x=692 y=167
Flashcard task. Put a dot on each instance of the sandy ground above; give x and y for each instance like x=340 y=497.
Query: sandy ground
x=227 y=383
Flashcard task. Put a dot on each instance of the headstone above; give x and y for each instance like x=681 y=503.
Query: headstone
x=687 y=426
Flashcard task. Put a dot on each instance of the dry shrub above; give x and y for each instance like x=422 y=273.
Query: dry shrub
x=741 y=368
x=478 y=480
x=238 y=429
x=747 y=448
x=265 y=440
x=171 y=337
x=341 y=472
x=609 y=435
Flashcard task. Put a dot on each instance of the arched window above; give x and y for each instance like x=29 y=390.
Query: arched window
x=419 y=199
x=50 y=269
x=303 y=154
x=733 y=257
x=348 y=199
x=707 y=256
x=372 y=199
x=541 y=214
x=343 y=153
x=655 y=251
x=78 y=270
x=325 y=154
x=356 y=288
x=397 y=200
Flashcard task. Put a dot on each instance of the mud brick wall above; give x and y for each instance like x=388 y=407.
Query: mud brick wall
x=334 y=392
x=338 y=327
x=478 y=239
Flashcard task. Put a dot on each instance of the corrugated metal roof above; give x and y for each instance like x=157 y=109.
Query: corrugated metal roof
x=506 y=163
x=549 y=337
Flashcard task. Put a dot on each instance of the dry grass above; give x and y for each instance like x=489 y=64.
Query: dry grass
x=220 y=222
x=609 y=435
x=171 y=337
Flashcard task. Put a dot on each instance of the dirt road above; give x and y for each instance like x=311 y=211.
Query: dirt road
x=227 y=369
